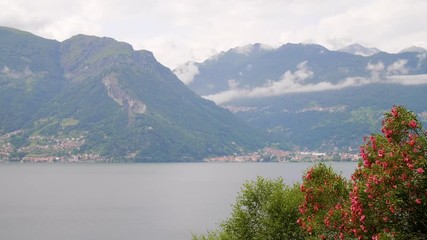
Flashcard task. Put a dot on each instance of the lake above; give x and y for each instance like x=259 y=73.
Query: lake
x=127 y=201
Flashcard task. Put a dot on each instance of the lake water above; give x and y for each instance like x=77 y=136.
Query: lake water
x=127 y=201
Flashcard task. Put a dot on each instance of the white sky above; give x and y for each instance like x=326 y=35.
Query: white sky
x=177 y=31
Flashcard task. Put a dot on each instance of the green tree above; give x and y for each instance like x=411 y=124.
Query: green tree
x=16 y=156
x=264 y=209
x=19 y=140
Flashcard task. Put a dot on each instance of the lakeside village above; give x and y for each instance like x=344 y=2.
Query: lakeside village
x=65 y=149
x=44 y=149
x=276 y=155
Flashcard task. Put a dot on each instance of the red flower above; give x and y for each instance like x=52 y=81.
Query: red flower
x=316 y=207
x=327 y=221
x=420 y=170
x=418 y=201
x=412 y=124
x=308 y=176
x=381 y=153
x=394 y=112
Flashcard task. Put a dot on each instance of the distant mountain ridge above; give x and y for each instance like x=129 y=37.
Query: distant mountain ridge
x=308 y=95
x=357 y=49
x=92 y=98
x=257 y=65
x=414 y=49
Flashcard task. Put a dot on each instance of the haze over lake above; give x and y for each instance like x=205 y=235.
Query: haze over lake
x=127 y=201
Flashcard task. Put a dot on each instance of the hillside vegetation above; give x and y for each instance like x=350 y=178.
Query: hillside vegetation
x=385 y=198
x=92 y=98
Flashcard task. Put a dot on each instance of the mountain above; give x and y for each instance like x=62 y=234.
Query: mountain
x=357 y=49
x=414 y=49
x=306 y=96
x=92 y=98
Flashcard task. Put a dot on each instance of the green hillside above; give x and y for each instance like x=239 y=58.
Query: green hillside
x=91 y=98
x=306 y=96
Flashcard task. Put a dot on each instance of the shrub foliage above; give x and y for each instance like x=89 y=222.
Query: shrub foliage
x=386 y=197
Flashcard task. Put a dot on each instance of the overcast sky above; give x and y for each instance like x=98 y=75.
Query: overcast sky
x=177 y=31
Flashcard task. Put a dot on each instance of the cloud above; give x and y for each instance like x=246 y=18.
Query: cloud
x=290 y=82
x=293 y=82
x=398 y=68
x=5 y=70
x=194 y=30
x=53 y=19
x=186 y=72
x=233 y=84
x=380 y=71
x=244 y=50
x=421 y=57
x=385 y=24
x=408 y=79
x=377 y=69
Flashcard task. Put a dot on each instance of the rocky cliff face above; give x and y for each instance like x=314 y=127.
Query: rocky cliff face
x=131 y=104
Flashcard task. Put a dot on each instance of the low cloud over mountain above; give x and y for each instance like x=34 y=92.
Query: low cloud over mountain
x=186 y=72
x=307 y=95
x=294 y=82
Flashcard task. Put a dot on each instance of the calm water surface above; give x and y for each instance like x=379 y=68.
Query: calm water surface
x=126 y=201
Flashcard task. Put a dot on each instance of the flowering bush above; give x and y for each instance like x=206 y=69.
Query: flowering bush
x=389 y=193
x=325 y=194
x=385 y=199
